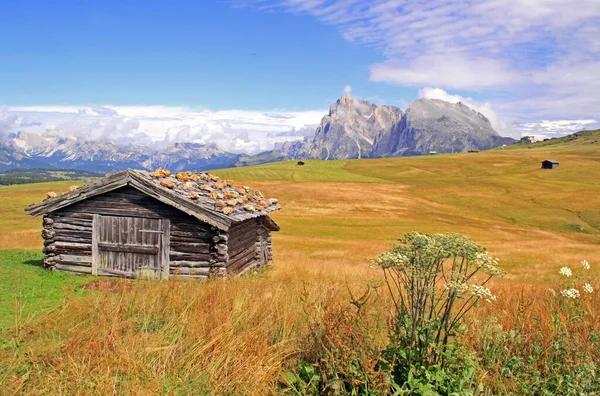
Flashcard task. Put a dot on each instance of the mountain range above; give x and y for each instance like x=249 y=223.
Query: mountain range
x=353 y=128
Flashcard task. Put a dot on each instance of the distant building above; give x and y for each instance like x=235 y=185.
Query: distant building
x=432 y=152
x=473 y=151
x=530 y=139
x=300 y=163
x=550 y=164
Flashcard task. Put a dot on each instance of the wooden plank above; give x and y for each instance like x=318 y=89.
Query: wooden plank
x=72 y=268
x=95 y=244
x=243 y=257
x=188 y=247
x=190 y=271
x=65 y=213
x=179 y=256
x=72 y=245
x=74 y=233
x=128 y=248
x=178 y=239
x=74 y=259
x=195 y=234
x=107 y=184
x=60 y=238
x=191 y=264
x=66 y=226
x=165 y=249
x=114 y=272
x=186 y=225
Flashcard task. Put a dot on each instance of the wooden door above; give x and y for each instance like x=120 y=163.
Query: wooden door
x=132 y=247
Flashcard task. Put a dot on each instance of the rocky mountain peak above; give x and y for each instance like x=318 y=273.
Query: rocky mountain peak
x=356 y=128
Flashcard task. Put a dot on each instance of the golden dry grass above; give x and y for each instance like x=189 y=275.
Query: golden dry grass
x=236 y=337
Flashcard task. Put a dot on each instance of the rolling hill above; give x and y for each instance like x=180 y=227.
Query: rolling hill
x=247 y=333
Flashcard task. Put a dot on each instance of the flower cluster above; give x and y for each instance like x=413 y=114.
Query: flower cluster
x=566 y=271
x=481 y=292
x=391 y=260
x=488 y=264
x=585 y=264
x=570 y=293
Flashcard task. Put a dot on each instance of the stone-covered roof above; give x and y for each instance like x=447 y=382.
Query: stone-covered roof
x=202 y=195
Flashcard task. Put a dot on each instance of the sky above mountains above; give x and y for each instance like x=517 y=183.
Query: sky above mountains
x=247 y=73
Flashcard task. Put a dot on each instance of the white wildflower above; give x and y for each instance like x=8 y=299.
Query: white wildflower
x=482 y=292
x=459 y=286
x=488 y=264
x=566 y=271
x=588 y=288
x=585 y=264
x=570 y=293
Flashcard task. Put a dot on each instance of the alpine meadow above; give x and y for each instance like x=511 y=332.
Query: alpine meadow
x=326 y=317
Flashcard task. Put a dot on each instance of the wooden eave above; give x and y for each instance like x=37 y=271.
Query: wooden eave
x=201 y=209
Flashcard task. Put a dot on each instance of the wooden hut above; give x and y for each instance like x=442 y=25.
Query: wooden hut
x=155 y=225
x=550 y=164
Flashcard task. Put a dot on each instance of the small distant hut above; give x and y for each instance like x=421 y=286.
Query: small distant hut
x=433 y=153
x=550 y=164
x=473 y=151
x=154 y=225
x=300 y=163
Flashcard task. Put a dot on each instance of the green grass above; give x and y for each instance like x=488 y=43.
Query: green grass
x=27 y=289
x=311 y=171
x=586 y=140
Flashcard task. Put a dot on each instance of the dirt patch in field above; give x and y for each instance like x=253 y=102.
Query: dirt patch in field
x=108 y=285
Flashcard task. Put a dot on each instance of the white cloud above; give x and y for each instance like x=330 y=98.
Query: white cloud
x=556 y=128
x=452 y=71
x=541 y=57
x=232 y=130
x=10 y=121
x=348 y=90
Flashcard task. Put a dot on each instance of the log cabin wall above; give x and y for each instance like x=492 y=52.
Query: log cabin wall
x=249 y=246
x=68 y=241
x=196 y=250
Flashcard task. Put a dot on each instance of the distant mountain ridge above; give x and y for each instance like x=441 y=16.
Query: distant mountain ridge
x=356 y=128
x=353 y=128
x=50 y=150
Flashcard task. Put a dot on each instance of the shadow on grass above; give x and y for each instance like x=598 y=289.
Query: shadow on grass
x=35 y=263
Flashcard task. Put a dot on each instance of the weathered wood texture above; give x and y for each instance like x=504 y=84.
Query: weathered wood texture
x=195 y=249
x=130 y=245
x=249 y=246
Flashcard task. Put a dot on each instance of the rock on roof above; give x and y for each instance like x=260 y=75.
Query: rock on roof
x=202 y=195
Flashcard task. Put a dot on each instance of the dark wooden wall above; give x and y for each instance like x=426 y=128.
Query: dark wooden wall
x=196 y=250
x=249 y=246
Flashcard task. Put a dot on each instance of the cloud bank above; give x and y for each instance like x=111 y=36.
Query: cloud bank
x=237 y=131
x=538 y=59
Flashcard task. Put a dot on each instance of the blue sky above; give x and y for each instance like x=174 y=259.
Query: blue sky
x=237 y=68
x=198 y=54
